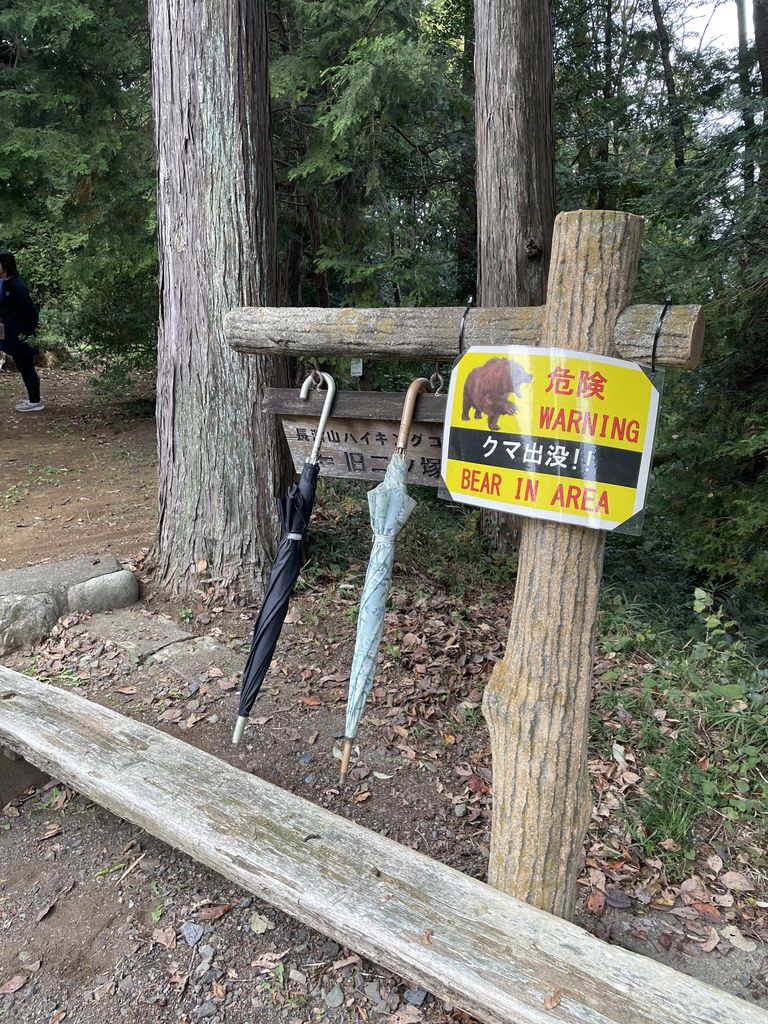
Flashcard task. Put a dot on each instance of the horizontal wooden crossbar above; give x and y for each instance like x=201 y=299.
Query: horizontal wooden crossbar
x=355 y=405
x=489 y=954
x=426 y=334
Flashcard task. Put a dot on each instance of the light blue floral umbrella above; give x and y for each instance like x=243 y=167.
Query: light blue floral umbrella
x=390 y=505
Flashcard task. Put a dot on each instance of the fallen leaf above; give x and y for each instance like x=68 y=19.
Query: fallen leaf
x=11 y=812
x=736 y=881
x=712 y=941
x=346 y=962
x=554 y=1000
x=260 y=924
x=734 y=936
x=707 y=910
x=617 y=898
x=408 y=1015
x=715 y=863
x=127 y=690
x=215 y=672
x=669 y=844
x=51 y=830
x=57 y=1016
x=665 y=940
x=267 y=961
x=16 y=982
x=360 y=798
x=312 y=702
x=165 y=937
x=218 y=992
x=171 y=715
x=227 y=684
x=212 y=913
x=596 y=903
x=103 y=991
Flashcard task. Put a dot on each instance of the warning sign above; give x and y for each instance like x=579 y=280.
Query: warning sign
x=550 y=433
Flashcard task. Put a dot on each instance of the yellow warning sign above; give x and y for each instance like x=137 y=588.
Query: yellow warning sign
x=552 y=434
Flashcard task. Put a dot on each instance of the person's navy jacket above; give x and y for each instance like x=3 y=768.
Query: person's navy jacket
x=17 y=312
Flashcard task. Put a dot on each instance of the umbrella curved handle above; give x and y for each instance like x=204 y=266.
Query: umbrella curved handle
x=330 y=385
x=416 y=387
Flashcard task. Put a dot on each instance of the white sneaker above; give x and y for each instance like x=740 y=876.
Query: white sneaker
x=29 y=407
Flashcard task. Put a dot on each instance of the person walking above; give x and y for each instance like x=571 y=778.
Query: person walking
x=18 y=321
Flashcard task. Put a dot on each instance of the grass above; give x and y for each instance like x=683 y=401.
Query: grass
x=440 y=547
x=695 y=714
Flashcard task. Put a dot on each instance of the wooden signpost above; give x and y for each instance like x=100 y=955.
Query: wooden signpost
x=537 y=701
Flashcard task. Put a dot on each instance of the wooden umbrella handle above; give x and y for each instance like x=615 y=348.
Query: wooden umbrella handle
x=415 y=389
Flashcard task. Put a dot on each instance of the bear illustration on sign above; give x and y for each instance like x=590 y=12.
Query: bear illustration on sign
x=487 y=387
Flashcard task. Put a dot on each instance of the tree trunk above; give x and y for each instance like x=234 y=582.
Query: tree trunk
x=602 y=147
x=221 y=462
x=537 y=702
x=514 y=101
x=466 y=226
x=675 y=115
x=760 y=21
x=745 y=89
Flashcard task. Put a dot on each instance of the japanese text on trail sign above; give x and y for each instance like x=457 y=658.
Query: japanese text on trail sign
x=550 y=433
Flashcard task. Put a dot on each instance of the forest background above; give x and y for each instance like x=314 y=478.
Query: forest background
x=373 y=125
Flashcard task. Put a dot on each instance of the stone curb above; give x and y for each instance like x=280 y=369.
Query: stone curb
x=31 y=600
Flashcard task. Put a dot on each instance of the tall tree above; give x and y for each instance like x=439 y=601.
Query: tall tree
x=514 y=90
x=675 y=116
x=514 y=130
x=745 y=89
x=760 y=22
x=221 y=461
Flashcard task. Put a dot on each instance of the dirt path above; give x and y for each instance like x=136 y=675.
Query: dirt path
x=101 y=923
x=77 y=478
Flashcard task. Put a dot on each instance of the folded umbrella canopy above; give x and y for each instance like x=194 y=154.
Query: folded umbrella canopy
x=390 y=506
x=295 y=510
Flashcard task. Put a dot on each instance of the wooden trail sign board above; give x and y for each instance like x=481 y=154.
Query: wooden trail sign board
x=537 y=701
x=361 y=434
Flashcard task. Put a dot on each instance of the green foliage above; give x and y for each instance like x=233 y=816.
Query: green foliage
x=697 y=717
x=373 y=123
x=76 y=168
x=372 y=117
x=704 y=243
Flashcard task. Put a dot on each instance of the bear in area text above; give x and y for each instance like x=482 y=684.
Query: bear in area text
x=487 y=387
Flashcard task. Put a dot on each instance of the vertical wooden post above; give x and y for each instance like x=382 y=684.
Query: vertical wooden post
x=537 y=701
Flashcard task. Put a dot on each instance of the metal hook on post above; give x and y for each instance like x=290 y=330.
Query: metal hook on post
x=463 y=324
x=327 y=406
x=659 y=325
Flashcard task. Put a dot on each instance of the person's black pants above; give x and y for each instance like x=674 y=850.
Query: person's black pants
x=24 y=357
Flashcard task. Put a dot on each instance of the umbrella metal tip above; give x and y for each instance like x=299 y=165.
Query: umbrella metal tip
x=237 y=735
x=346 y=754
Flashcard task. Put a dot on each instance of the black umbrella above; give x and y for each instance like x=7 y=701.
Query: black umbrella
x=295 y=510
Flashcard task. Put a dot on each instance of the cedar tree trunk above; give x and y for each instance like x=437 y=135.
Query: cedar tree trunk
x=514 y=101
x=221 y=462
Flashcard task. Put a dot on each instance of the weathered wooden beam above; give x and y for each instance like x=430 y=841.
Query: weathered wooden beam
x=491 y=955
x=425 y=334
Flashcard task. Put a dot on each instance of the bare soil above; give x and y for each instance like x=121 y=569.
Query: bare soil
x=101 y=922
x=77 y=478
